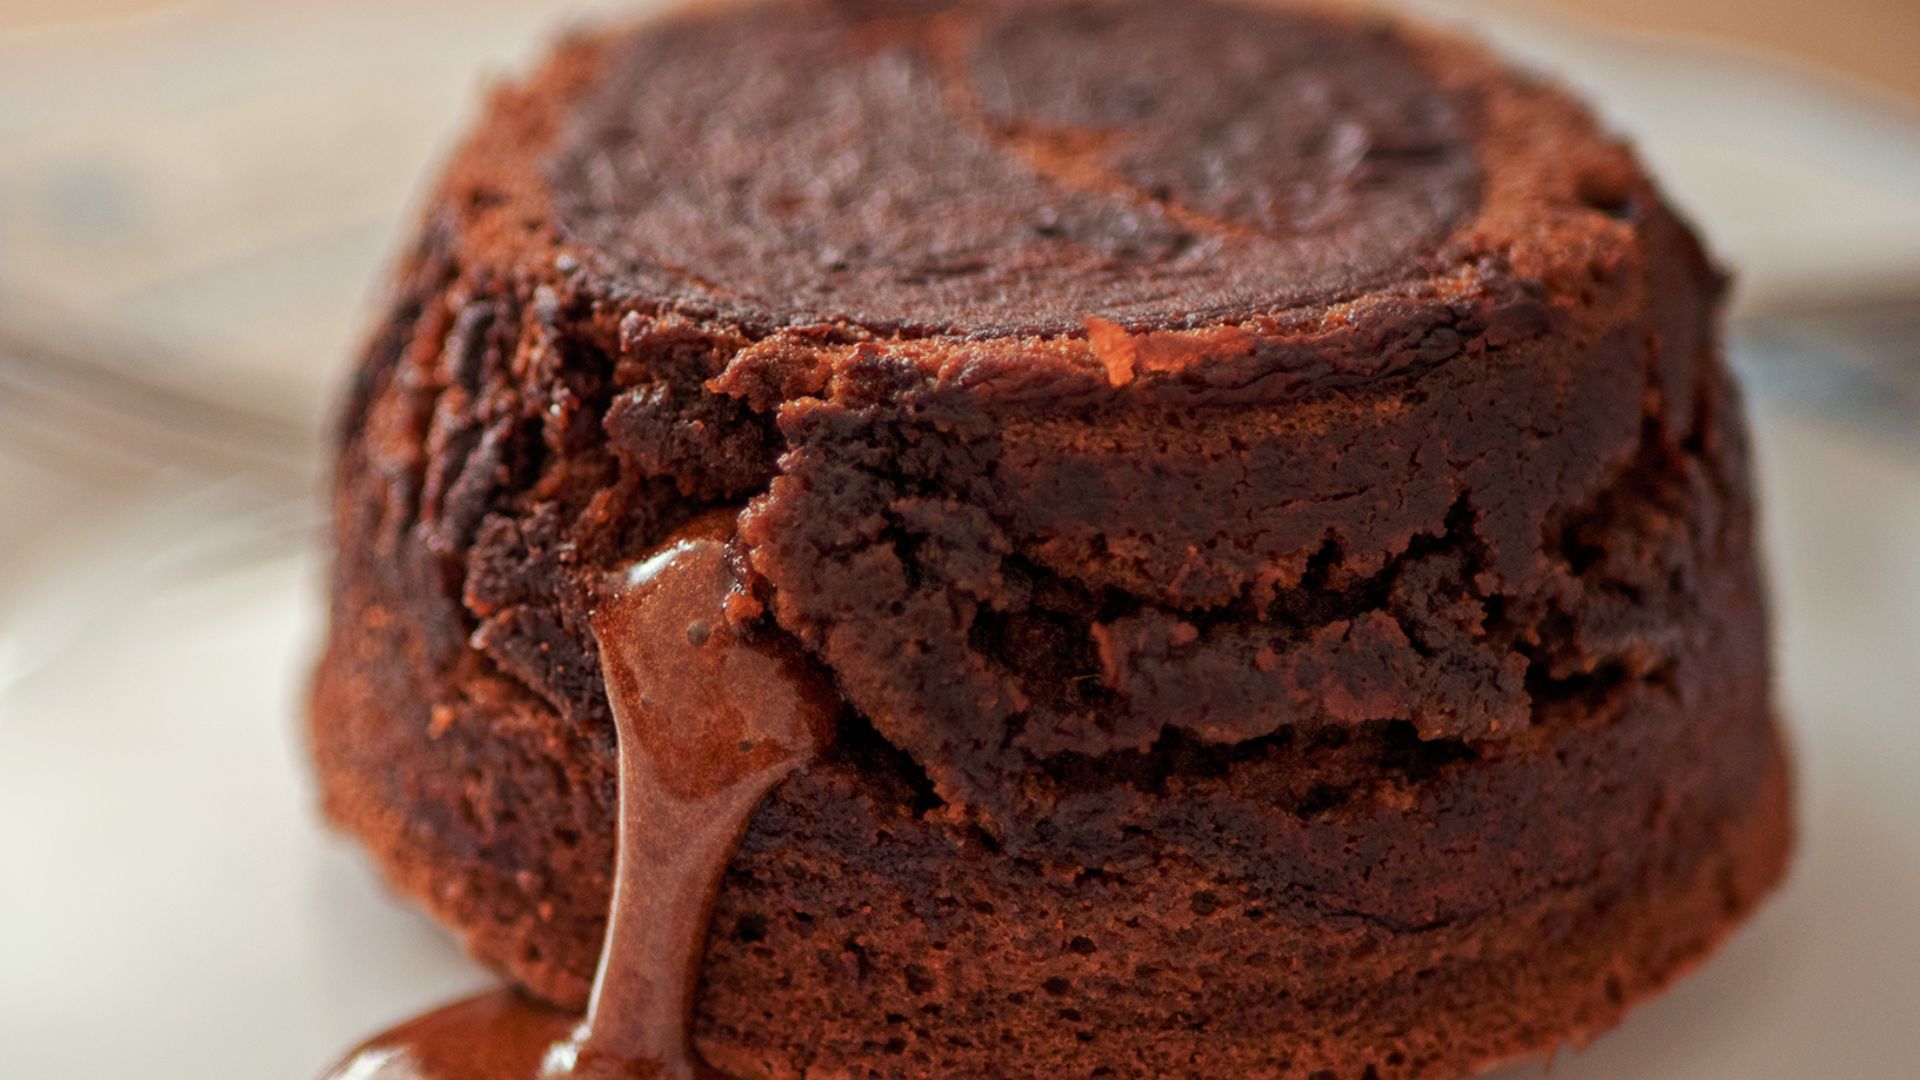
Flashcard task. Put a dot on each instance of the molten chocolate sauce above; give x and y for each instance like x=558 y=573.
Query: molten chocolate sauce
x=708 y=722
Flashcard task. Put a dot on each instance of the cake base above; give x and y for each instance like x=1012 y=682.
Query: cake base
x=1229 y=916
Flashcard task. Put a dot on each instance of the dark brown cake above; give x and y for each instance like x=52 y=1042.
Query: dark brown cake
x=1262 y=483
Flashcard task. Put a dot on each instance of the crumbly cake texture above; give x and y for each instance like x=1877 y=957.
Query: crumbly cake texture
x=1262 y=481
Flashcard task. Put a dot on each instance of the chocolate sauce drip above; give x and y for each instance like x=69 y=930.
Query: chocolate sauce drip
x=708 y=721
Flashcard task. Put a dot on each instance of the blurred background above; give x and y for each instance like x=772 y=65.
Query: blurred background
x=197 y=201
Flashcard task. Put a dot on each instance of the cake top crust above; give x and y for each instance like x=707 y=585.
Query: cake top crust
x=1010 y=169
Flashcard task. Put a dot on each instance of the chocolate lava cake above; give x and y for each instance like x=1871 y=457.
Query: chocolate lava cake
x=1261 y=484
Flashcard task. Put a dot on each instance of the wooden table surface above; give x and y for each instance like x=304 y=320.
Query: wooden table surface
x=1876 y=41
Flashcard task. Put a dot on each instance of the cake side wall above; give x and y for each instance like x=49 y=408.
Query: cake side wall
x=505 y=448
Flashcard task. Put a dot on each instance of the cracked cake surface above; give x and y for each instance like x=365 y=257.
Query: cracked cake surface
x=1262 y=484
